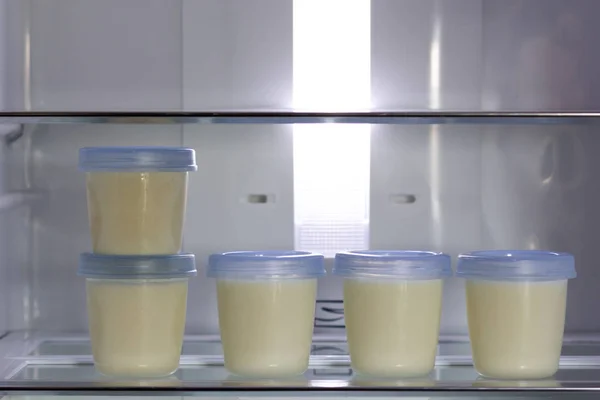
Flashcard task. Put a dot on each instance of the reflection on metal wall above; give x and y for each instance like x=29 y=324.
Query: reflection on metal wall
x=450 y=188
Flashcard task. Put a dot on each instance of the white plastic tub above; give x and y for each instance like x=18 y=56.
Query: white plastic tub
x=392 y=308
x=136 y=312
x=136 y=198
x=266 y=306
x=516 y=302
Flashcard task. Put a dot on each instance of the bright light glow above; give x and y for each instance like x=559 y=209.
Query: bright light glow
x=332 y=54
x=435 y=59
x=332 y=69
x=435 y=88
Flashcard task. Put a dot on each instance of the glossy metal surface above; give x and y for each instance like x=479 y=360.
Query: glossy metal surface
x=303 y=117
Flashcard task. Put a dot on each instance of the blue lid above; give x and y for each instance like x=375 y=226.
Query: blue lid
x=266 y=265
x=137 y=159
x=510 y=265
x=402 y=264
x=105 y=266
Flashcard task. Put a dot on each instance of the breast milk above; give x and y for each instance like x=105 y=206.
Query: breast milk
x=266 y=325
x=392 y=325
x=136 y=212
x=136 y=327
x=516 y=328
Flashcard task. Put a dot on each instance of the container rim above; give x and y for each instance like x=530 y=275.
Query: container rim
x=268 y=264
x=137 y=159
x=399 y=264
x=106 y=266
x=516 y=265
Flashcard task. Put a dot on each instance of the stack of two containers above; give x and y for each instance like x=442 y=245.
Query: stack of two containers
x=136 y=277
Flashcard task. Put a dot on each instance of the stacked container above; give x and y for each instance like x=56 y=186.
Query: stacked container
x=136 y=279
x=136 y=198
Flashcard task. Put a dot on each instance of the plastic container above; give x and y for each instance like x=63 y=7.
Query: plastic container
x=136 y=198
x=516 y=302
x=136 y=312
x=392 y=308
x=266 y=310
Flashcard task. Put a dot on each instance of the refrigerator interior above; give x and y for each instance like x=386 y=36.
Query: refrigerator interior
x=326 y=187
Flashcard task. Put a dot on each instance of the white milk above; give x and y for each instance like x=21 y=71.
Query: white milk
x=267 y=325
x=516 y=328
x=136 y=327
x=136 y=212
x=392 y=325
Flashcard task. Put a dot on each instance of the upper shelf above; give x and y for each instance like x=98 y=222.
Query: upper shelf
x=300 y=117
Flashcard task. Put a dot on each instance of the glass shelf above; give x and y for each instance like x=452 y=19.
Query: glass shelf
x=63 y=366
x=299 y=117
x=80 y=378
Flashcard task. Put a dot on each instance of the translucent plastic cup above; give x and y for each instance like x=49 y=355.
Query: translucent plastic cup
x=516 y=302
x=392 y=308
x=136 y=198
x=266 y=310
x=136 y=312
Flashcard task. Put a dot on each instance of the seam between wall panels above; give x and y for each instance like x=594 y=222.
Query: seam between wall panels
x=30 y=262
x=181 y=78
x=27 y=55
x=181 y=62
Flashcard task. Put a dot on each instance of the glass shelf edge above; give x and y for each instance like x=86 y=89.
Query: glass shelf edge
x=39 y=363
x=333 y=361
x=301 y=117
